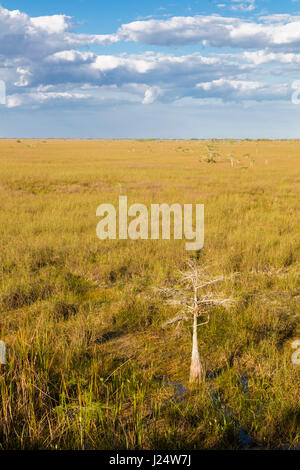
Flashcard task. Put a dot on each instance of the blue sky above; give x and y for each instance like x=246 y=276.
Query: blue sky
x=108 y=69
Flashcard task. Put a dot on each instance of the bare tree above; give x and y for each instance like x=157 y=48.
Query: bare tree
x=194 y=306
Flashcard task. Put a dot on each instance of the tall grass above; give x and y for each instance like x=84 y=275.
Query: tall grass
x=89 y=366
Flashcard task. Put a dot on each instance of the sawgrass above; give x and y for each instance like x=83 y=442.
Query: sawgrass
x=89 y=366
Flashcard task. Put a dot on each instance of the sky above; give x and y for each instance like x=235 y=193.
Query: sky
x=150 y=69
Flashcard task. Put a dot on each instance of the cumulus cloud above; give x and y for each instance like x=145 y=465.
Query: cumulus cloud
x=150 y=69
x=40 y=97
x=246 y=5
x=21 y=35
x=54 y=24
x=264 y=57
x=216 y=31
x=244 y=90
x=43 y=60
x=71 y=56
x=151 y=94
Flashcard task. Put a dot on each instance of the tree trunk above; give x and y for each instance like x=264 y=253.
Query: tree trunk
x=2 y=353
x=196 y=371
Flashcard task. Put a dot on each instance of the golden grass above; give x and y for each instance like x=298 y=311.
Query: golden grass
x=89 y=365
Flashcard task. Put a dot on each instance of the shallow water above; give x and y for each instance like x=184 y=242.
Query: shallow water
x=180 y=391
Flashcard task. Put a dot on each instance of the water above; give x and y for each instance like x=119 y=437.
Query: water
x=180 y=391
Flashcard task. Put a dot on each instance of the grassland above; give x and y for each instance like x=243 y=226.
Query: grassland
x=89 y=366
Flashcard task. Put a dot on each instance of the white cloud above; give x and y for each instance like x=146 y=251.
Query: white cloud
x=40 y=97
x=151 y=94
x=243 y=90
x=149 y=69
x=43 y=61
x=242 y=85
x=13 y=101
x=263 y=57
x=23 y=79
x=216 y=31
x=51 y=24
x=244 y=5
x=71 y=56
x=38 y=37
